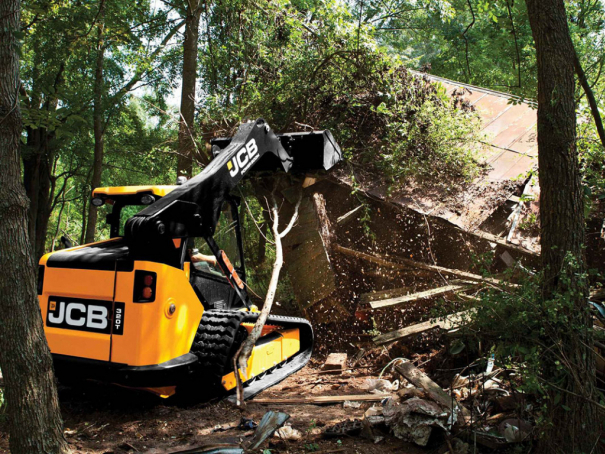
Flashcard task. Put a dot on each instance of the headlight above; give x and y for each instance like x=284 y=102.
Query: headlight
x=147 y=199
x=97 y=201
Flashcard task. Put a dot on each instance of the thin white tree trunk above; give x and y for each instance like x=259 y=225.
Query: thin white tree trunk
x=243 y=354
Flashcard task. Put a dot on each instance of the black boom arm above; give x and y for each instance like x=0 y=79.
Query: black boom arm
x=193 y=209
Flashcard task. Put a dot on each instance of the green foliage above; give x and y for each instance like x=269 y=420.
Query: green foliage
x=304 y=65
x=529 y=331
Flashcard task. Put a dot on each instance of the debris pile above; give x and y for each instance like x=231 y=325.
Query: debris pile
x=421 y=409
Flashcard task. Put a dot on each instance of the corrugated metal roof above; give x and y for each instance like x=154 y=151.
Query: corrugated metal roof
x=510 y=151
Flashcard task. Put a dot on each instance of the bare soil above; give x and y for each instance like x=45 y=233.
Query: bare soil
x=106 y=419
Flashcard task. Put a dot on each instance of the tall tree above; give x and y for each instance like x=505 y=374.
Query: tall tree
x=34 y=417
x=186 y=146
x=105 y=106
x=575 y=424
x=98 y=121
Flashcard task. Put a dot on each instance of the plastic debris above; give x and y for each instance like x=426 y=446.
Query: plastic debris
x=288 y=433
x=414 y=419
x=380 y=386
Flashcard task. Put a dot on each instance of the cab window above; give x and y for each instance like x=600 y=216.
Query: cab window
x=225 y=236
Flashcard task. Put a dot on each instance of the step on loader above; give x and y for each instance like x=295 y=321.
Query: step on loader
x=162 y=305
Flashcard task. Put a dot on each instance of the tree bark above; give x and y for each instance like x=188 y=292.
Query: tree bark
x=37 y=172
x=34 y=417
x=186 y=146
x=98 y=126
x=562 y=226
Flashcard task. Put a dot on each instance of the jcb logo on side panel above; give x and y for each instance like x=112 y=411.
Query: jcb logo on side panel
x=85 y=315
x=243 y=159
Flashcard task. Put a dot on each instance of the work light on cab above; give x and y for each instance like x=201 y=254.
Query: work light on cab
x=97 y=201
x=147 y=199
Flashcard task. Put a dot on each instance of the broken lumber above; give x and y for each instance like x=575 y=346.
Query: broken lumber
x=451 y=321
x=345 y=218
x=419 y=379
x=336 y=363
x=407 y=263
x=322 y=400
x=417 y=296
x=367 y=298
x=516 y=214
x=369 y=257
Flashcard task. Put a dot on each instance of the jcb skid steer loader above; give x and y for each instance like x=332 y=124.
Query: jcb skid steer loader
x=137 y=311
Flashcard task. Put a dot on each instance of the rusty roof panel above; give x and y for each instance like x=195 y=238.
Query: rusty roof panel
x=490 y=108
x=510 y=129
x=527 y=143
x=510 y=125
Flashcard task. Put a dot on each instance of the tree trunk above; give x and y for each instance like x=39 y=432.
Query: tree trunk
x=34 y=417
x=562 y=225
x=592 y=102
x=186 y=146
x=98 y=126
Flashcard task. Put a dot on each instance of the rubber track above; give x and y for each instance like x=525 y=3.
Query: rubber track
x=214 y=341
x=215 y=345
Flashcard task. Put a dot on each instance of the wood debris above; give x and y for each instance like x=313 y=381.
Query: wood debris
x=336 y=363
x=418 y=378
x=419 y=295
x=320 y=400
x=403 y=263
x=449 y=322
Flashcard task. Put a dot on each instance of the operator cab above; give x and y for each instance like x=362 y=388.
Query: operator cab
x=205 y=275
x=126 y=201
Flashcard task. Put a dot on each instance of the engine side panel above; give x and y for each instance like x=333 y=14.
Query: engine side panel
x=71 y=290
x=151 y=334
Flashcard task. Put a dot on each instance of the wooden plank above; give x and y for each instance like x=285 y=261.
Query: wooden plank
x=451 y=321
x=516 y=214
x=342 y=220
x=416 y=296
x=369 y=258
x=502 y=242
x=419 y=379
x=407 y=263
x=336 y=362
x=366 y=298
x=322 y=399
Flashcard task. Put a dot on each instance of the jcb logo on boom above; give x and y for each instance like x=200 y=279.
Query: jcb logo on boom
x=243 y=159
x=85 y=315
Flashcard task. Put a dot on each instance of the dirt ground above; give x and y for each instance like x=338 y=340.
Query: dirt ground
x=105 y=419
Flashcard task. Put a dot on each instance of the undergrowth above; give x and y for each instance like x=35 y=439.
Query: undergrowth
x=530 y=333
